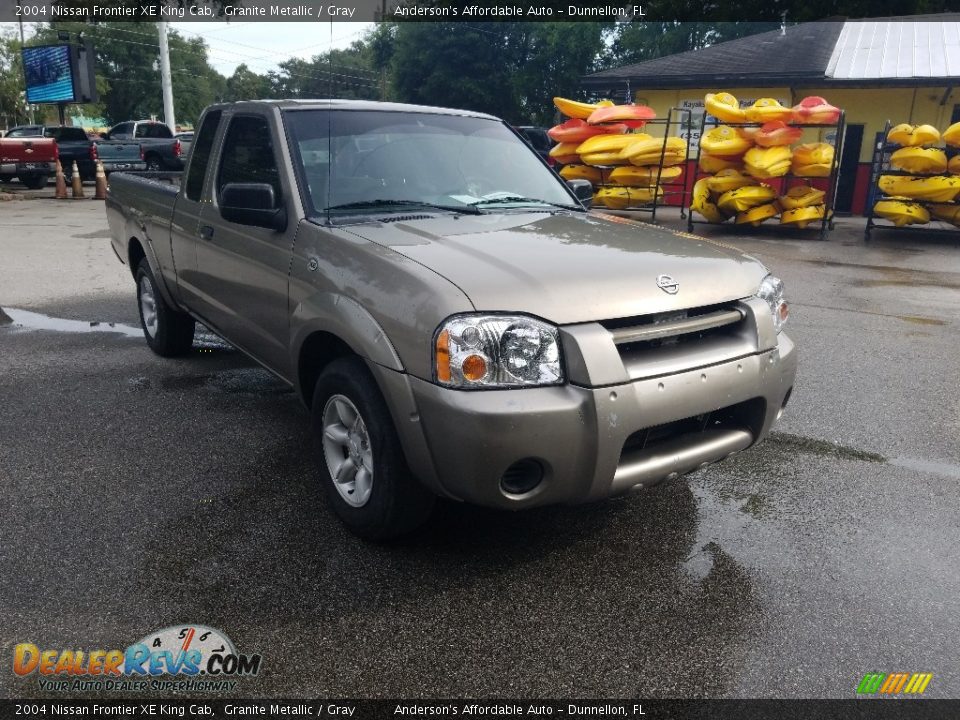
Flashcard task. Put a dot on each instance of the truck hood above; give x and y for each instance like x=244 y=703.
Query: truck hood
x=570 y=267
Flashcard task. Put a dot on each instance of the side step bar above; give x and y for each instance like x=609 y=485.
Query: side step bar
x=683 y=454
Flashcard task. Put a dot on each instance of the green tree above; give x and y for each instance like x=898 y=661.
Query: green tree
x=245 y=84
x=13 y=107
x=343 y=73
x=512 y=70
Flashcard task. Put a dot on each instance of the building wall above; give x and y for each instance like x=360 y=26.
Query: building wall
x=871 y=107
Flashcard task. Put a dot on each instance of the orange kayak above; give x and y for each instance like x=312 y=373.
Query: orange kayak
x=576 y=131
x=814 y=110
x=634 y=116
x=777 y=133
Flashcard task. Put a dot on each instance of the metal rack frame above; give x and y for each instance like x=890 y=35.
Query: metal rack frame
x=682 y=183
x=833 y=179
x=880 y=165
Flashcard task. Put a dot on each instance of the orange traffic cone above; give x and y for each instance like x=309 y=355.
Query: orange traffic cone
x=61 y=193
x=101 y=192
x=75 y=182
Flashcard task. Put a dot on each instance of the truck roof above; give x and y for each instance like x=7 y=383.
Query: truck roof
x=326 y=104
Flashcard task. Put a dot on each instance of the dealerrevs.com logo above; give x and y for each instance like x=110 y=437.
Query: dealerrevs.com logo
x=180 y=657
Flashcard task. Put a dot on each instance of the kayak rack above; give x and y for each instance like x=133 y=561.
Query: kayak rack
x=783 y=182
x=879 y=166
x=676 y=191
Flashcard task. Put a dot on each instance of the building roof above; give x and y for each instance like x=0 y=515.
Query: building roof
x=882 y=51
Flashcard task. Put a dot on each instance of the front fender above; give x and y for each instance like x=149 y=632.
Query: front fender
x=347 y=319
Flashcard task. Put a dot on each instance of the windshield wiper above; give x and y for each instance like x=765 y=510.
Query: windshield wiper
x=381 y=203
x=520 y=199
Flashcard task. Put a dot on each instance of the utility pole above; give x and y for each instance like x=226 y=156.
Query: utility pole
x=165 y=82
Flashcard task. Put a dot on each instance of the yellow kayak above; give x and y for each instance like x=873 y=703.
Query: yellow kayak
x=949 y=213
x=582 y=172
x=953 y=166
x=579 y=110
x=564 y=153
x=924 y=161
x=767 y=110
x=602 y=159
x=768 y=162
x=902 y=213
x=701 y=203
x=910 y=136
x=620 y=198
x=643 y=176
x=951 y=136
x=640 y=151
x=725 y=142
x=724 y=107
x=729 y=179
x=801 y=196
x=609 y=143
x=801 y=217
x=812 y=160
x=744 y=198
x=756 y=215
x=712 y=164
x=938 y=188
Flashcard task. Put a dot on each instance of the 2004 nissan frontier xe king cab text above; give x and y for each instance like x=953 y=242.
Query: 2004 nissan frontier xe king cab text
x=458 y=324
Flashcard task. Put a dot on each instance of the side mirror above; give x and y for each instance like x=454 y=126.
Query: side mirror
x=583 y=189
x=252 y=204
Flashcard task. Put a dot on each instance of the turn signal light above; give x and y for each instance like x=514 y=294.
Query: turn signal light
x=474 y=368
x=443 y=356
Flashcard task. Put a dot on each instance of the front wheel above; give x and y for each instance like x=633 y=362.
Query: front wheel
x=168 y=333
x=364 y=470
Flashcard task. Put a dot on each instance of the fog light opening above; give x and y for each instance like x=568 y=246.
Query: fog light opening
x=522 y=477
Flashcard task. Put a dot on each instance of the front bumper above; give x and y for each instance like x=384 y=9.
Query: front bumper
x=578 y=434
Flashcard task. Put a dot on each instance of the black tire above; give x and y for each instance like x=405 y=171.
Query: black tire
x=170 y=333
x=34 y=182
x=397 y=503
x=153 y=163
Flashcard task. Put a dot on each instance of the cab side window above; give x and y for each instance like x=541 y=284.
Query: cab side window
x=247 y=155
x=200 y=154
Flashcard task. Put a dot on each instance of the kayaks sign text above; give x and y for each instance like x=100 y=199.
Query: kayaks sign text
x=184 y=650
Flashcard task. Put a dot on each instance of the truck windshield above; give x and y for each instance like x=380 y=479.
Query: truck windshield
x=358 y=162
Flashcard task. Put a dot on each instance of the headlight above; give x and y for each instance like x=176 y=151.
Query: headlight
x=490 y=351
x=771 y=292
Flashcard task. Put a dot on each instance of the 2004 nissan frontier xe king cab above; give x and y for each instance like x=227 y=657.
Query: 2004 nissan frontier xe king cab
x=457 y=322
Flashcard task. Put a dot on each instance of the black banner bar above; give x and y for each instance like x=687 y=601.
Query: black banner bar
x=859 y=709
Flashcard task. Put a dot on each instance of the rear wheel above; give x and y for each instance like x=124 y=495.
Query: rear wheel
x=364 y=471
x=153 y=163
x=168 y=333
x=34 y=182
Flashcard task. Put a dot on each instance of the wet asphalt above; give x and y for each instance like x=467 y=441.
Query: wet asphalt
x=139 y=493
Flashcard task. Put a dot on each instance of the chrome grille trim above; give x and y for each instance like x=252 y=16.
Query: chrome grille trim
x=698 y=323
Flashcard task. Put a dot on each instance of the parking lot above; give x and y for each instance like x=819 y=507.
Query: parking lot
x=140 y=492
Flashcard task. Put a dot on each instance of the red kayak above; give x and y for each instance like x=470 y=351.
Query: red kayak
x=777 y=133
x=814 y=110
x=576 y=131
x=633 y=116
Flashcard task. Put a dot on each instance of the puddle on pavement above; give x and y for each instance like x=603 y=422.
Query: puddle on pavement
x=92 y=235
x=948 y=470
x=823 y=448
x=893 y=276
x=26 y=320
x=920 y=320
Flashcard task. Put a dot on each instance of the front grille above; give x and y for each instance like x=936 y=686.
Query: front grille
x=670 y=342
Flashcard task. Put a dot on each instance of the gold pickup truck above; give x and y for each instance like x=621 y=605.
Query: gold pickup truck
x=455 y=319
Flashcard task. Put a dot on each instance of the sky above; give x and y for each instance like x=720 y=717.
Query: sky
x=261 y=45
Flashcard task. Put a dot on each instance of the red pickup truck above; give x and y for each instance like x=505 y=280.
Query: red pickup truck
x=32 y=160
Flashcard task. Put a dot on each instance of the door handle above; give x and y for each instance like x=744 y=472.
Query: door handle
x=206 y=232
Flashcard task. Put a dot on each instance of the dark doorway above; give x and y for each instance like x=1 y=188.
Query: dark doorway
x=849 y=162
